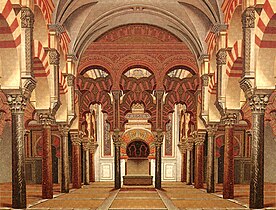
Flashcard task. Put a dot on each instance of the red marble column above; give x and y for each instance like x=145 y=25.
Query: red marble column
x=92 y=167
x=199 y=161
x=183 y=169
x=47 y=177
x=76 y=159
x=228 y=177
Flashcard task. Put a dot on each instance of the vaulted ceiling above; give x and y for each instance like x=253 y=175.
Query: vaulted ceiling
x=86 y=20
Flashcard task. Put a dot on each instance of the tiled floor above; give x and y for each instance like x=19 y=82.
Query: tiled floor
x=174 y=195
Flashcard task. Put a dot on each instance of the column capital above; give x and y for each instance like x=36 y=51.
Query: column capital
x=258 y=102
x=229 y=119
x=116 y=136
x=27 y=18
x=75 y=139
x=221 y=57
x=70 y=79
x=246 y=84
x=85 y=144
x=248 y=18
x=159 y=136
x=182 y=147
x=93 y=146
x=189 y=145
x=63 y=129
x=200 y=138
x=46 y=119
x=212 y=129
x=17 y=103
x=54 y=56
x=205 y=79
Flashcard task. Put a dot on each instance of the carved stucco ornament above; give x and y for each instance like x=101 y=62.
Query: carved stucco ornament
x=54 y=57
x=258 y=102
x=248 y=18
x=27 y=18
x=17 y=102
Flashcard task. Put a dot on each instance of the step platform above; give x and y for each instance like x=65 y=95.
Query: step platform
x=137 y=180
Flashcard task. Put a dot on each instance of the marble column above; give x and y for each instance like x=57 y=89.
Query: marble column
x=211 y=129
x=117 y=157
x=47 y=177
x=86 y=160
x=158 y=155
x=17 y=104
x=199 y=169
x=258 y=103
x=76 y=159
x=189 y=147
x=93 y=147
x=229 y=119
x=182 y=149
x=65 y=175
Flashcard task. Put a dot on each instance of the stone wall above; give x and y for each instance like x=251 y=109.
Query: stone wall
x=6 y=155
x=269 y=155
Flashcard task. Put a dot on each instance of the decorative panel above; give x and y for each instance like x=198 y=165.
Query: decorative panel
x=106 y=171
x=169 y=171
x=107 y=139
x=168 y=139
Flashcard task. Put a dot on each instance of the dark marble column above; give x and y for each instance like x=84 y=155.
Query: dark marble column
x=117 y=157
x=158 y=155
x=229 y=119
x=65 y=175
x=85 y=145
x=258 y=104
x=76 y=159
x=189 y=147
x=182 y=149
x=47 y=177
x=93 y=147
x=211 y=129
x=199 y=169
x=17 y=104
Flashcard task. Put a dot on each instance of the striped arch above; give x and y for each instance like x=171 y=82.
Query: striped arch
x=46 y=7
x=64 y=42
x=228 y=8
x=6 y=11
x=63 y=87
x=211 y=40
x=267 y=14
x=41 y=65
x=213 y=84
x=234 y=63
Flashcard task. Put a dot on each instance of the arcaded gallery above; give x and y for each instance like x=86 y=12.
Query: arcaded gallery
x=137 y=104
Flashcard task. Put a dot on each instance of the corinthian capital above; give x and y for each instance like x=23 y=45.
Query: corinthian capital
x=212 y=129
x=27 y=18
x=46 y=119
x=205 y=79
x=248 y=18
x=54 y=57
x=221 y=57
x=63 y=129
x=117 y=137
x=70 y=79
x=17 y=102
x=258 y=102
x=229 y=119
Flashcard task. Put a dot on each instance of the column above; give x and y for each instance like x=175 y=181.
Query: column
x=86 y=160
x=117 y=156
x=229 y=120
x=221 y=57
x=182 y=149
x=211 y=129
x=93 y=147
x=189 y=147
x=65 y=175
x=47 y=178
x=76 y=159
x=199 y=143
x=17 y=104
x=258 y=103
x=158 y=155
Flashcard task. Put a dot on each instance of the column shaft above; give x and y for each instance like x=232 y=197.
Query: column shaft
x=257 y=162
x=47 y=177
x=86 y=177
x=92 y=167
x=18 y=161
x=228 y=179
x=65 y=164
x=183 y=169
x=210 y=164
x=189 y=168
x=158 y=167
x=76 y=166
x=199 y=166
x=117 y=166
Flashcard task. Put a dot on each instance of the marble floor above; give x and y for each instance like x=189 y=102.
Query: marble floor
x=102 y=196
